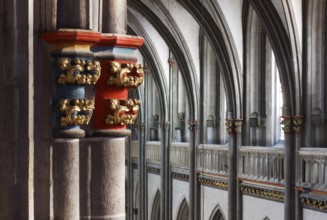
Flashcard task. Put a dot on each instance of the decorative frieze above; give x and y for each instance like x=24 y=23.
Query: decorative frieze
x=234 y=126
x=220 y=184
x=124 y=111
x=263 y=193
x=314 y=203
x=125 y=75
x=76 y=111
x=79 y=71
x=180 y=176
x=153 y=170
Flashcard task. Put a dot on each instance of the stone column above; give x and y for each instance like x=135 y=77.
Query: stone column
x=297 y=129
x=114 y=16
x=164 y=170
x=108 y=178
x=289 y=167
x=233 y=127
x=66 y=179
x=74 y=70
x=142 y=172
x=114 y=111
x=193 y=199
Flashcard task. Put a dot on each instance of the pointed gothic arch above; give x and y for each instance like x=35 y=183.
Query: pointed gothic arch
x=183 y=211
x=155 y=213
x=217 y=214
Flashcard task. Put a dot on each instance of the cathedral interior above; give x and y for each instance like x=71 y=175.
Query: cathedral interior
x=163 y=109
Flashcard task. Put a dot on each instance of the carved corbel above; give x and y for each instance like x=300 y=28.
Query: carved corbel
x=125 y=75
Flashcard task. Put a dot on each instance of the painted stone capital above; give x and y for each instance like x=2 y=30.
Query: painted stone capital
x=234 y=126
x=298 y=124
x=123 y=112
x=79 y=71
x=125 y=75
x=193 y=125
x=76 y=111
x=164 y=125
x=292 y=124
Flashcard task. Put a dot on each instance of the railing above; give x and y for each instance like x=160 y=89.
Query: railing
x=312 y=169
x=257 y=163
x=212 y=159
x=179 y=154
x=153 y=151
x=262 y=163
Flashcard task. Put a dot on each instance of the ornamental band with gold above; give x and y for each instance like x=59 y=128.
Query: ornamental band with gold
x=125 y=75
x=124 y=111
x=77 y=111
x=78 y=71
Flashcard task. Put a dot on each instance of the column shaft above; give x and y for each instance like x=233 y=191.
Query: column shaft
x=164 y=170
x=108 y=178
x=193 y=211
x=114 y=16
x=66 y=179
x=234 y=140
x=142 y=172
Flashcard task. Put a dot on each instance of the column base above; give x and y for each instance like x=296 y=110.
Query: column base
x=73 y=133
x=111 y=133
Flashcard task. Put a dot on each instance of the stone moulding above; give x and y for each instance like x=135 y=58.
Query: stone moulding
x=125 y=75
x=77 y=111
x=314 y=203
x=263 y=193
x=86 y=72
x=124 y=112
x=220 y=184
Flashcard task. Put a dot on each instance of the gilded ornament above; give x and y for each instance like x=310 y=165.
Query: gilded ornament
x=287 y=122
x=314 y=203
x=125 y=75
x=263 y=193
x=238 y=126
x=214 y=183
x=297 y=124
x=78 y=71
x=229 y=126
x=77 y=111
x=124 y=111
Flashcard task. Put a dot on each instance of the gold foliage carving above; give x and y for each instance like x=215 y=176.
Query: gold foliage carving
x=125 y=75
x=263 y=193
x=78 y=71
x=292 y=124
x=77 y=111
x=214 y=183
x=124 y=112
x=314 y=203
x=233 y=126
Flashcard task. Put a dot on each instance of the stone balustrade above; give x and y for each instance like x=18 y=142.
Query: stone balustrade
x=256 y=163
x=262 y=163
x=312 y=167
x=212 y=159
x=179 y=154
x=153 y=151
